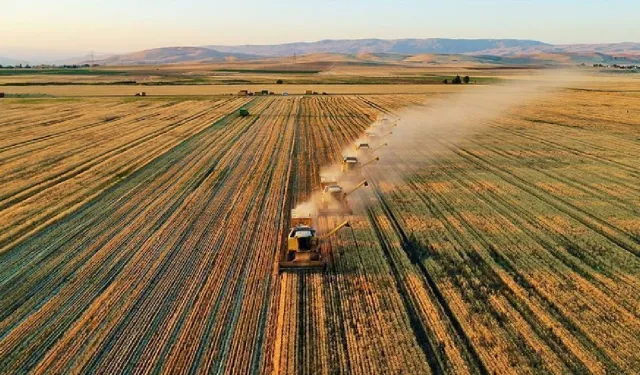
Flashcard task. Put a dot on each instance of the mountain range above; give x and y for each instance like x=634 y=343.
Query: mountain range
x=399 y=46
x=498 y=51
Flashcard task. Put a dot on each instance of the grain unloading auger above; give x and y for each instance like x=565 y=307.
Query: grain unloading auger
x=334 y=199
x=385 y=124
x=303 y=245
x=374 y=137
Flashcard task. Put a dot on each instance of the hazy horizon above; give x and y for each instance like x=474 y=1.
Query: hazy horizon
x=69 y=27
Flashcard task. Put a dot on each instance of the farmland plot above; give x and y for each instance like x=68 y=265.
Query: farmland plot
x=54 y=158
x=514 y=249
x=155 y=251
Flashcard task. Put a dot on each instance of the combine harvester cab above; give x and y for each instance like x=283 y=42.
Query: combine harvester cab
x=303 y=245
x=334 y=200
x=362 y=148
x=349 y=163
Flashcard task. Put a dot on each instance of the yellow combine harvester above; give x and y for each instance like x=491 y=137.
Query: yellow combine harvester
x=364 y=149
x=351 y=163
x=303 y=245
x=334 y=199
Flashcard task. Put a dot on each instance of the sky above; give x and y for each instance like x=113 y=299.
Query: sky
x=116 y=26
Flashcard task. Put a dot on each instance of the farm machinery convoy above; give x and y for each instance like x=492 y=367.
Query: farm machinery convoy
x=468 y=247
x=303 y=244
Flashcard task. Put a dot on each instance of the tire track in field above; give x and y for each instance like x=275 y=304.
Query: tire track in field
x=519 y=305
x=558 y=146
x=587 y=219
x=586 y=189
x=412 y=253
x=546 y=237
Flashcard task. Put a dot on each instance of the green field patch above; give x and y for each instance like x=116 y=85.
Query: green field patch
x=62 y=72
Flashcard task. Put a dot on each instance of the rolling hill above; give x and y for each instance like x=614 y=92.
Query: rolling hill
x=172 y=55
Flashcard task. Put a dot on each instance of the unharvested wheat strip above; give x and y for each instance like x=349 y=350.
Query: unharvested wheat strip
x=587 y=296
x=477 y=249
x=499 y=333
x=365 y=363
x=550 y=359
x=561 y=155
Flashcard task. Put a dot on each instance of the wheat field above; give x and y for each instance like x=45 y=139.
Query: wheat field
x=143 y=235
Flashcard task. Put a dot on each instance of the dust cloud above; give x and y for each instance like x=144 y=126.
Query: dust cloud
x=429 y=132
x=424 y=133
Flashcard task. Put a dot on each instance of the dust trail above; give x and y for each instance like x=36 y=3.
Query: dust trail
x=427 y=132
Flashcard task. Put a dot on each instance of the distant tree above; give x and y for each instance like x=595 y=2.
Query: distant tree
x=446 y=81
x=457 y=80
x=1 y=66
x=466 y=79
x=279 y=82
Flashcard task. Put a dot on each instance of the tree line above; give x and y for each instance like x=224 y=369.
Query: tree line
x=457 y=80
